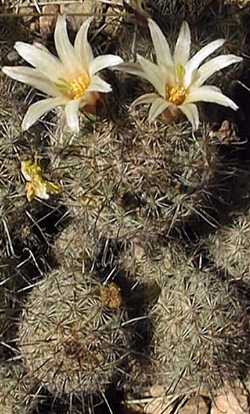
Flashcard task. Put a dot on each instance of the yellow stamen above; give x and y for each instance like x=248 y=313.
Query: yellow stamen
x=74 y=88
x=176 y=95
x=79 y=86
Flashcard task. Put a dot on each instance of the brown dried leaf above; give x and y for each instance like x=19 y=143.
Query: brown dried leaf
x=226 y=134
x=159 y=406
x=230 y=402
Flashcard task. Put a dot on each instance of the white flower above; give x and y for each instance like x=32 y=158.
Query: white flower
x=71 y=79
x=177 y=78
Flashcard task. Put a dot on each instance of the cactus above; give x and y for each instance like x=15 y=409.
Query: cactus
x=4 y=320
x=126 y=185
x=71 y=335
x=239 y=3
x=137 y=180
x=168 y=8
x=12 y=189
x=74 y=246
x=16 y=392
x=11 y=280
x=149 y=264
x=145 y=270
x=200 y=333
x=229 y=247
x=191 y=9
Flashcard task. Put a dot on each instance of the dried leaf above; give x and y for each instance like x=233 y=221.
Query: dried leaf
x=196 y=405
x=159 y=406
x=230 y=402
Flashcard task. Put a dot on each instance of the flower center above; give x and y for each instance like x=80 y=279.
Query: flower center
x=74 y=88
x=176 y=95
x=78 y=86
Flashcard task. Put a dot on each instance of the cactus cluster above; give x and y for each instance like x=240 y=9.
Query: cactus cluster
x=103 y=287
x=130 y=180
x=71 y=335
x=200 y=333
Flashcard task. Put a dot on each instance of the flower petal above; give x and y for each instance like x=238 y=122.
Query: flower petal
x=154 y=74
x=192 y=114
x=157 y=107
x=40 y=190
x=72 y=115
x=161 y=46
x=167 y=73
x=26 y=169
x=210 y=94
x=183 y=45
x=99 y=85
x=198 y=58
x=53 y=188
x=102 y=62
x=31 y=77
x=214 y=65
x=36 y=110
x=82 y=47
x=147 y=98
x=132 y=68
x=64 y=48
x=193 y=88
x=40 y=46
x=43 y=61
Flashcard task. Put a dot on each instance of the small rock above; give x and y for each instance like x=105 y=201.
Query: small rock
x=12 y=56
x=157 y=391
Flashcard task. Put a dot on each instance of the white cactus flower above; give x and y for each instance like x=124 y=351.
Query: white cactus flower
x=177 y=78
x=71 y=79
